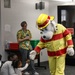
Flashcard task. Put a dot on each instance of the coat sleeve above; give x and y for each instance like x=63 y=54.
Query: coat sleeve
x=23 y=68
x=68 y=37
x=40 y=45
x=11 y=70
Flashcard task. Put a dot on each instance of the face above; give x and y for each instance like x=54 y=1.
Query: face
x=15 y=57
x=25 y=26
x=47 y=32
x=16 y=63
x=19 y=64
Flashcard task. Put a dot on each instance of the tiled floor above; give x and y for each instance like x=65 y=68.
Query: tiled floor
x=70 y=70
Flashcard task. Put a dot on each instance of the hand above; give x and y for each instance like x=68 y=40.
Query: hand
x=32 y=55
x=27 y=38
x=28 y=61
x=70 y=51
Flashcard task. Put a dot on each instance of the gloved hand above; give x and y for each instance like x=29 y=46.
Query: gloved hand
x=70 y=51
x=32 y=55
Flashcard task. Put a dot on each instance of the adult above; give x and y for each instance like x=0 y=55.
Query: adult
x=23 y=37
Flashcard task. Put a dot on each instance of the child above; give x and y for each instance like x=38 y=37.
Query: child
x=8 y=67
x=17 y=66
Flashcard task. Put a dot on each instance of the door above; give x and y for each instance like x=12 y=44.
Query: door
x=66 y=16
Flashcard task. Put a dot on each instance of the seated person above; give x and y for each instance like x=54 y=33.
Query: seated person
x=12 y=56
x=17 y=65
x=8 y=67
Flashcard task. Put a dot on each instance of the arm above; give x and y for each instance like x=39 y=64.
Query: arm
x=26 y=38
x=21 y=37
x=68 y=38
x=69 y=41
x=37 y=50
x=23 y=68
x=40 y=45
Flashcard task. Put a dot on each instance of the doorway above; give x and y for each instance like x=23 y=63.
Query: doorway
x=66 y=16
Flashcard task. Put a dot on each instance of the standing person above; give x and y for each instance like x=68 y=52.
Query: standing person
x=64 y=23
x=23 y=37
x=57 y=40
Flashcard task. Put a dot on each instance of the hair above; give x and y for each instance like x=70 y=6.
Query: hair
x=63 y=23
x=15 y=63
x=11 y=56
x=23 y=23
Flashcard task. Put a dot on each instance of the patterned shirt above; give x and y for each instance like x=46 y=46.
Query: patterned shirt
x=24 y=44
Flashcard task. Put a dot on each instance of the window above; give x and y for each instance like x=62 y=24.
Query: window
x=63 y=15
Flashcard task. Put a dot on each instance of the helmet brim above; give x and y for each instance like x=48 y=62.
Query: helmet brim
x=51 y=18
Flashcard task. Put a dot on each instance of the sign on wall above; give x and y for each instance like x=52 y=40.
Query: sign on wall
x=7 y=4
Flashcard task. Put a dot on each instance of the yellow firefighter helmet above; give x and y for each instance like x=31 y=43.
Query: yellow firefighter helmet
x=43 y=20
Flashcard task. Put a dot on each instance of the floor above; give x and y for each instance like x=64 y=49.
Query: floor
x=70 y=70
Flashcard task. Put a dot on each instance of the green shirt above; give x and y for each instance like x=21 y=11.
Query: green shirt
x=26 y=43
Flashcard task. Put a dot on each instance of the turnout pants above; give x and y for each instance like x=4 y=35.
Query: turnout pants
x=57 y=65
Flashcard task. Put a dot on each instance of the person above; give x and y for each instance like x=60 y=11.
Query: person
x=12 y=56
x=17 y=65
x=13 y=66
x=58 y=42
x=23 y=37
x=6 y=68
x=64 y=23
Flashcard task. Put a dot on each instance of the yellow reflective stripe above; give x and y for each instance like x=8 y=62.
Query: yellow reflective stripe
x=56 y=45
x=41 y=44
x=68 y=37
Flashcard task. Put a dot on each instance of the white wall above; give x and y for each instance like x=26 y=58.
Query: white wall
x=53 y=7
x=12 y=17
x=23 y=10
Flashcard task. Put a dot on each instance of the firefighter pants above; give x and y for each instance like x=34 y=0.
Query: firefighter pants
x=57 y=65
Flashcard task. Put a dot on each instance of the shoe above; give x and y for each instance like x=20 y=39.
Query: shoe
x=36 y=73
x=27 y=73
